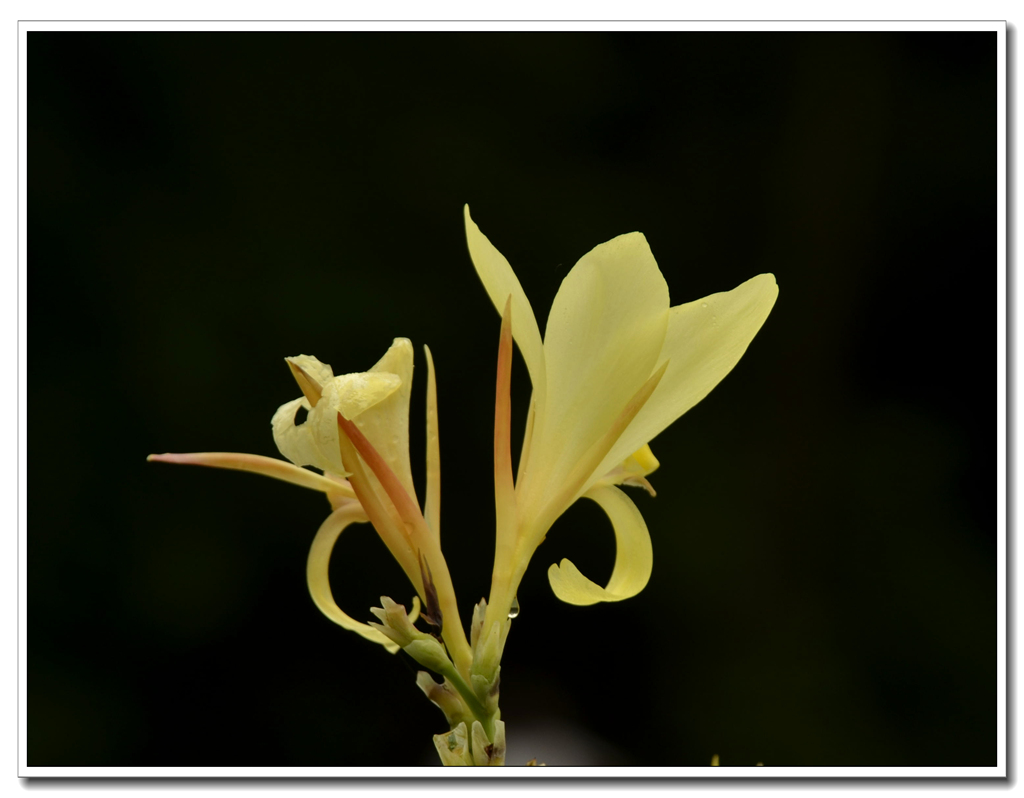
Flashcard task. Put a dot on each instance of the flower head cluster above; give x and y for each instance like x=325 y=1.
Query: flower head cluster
x=616 y=365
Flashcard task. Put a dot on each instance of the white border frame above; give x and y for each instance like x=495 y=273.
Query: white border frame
x=999 y=771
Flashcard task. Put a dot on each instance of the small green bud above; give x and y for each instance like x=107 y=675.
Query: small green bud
x=487 y=689
x=430 y=654
x=395 y=622
x=423 y=648
x=479 y=611
x=487 y=652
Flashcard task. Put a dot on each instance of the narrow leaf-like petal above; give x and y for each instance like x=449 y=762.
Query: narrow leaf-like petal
x=409 y=523
x=603 y=339
x=633 y=556
x=317 y=569
x=705 y=340
x=504 y=489
x=432 y=505
x=257 y=464
x=379 y=510
x=501 y=282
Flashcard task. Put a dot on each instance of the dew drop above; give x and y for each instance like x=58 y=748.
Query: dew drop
x=513 y=611
x=703 y=304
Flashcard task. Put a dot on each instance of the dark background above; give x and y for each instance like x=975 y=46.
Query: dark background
x=203 y=205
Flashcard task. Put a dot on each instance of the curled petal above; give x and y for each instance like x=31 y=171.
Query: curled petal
x=317 y=579
x=633 y=557
x=267 y=466
x=378 y=402
x=296 y=441
x=705 y=340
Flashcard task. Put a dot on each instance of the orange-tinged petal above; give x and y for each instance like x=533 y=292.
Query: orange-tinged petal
x=257 y=464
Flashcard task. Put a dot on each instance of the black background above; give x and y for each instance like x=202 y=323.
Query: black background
x=203 y=205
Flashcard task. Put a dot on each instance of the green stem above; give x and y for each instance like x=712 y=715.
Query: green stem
x=472 y=702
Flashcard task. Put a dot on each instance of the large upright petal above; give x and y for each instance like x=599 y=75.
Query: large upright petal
x=705 y=340
x=603 y=338
x=501 y=282
x=386 y=425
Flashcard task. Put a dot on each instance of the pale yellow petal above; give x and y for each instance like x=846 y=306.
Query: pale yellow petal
x=356 y=396
x=317 y=568
x=705 y=340
x=257 y=464
x=386 y=424
x=296 y=441
x=633 y=555
x=320 y=372
x=500 y=283
x=603 y=339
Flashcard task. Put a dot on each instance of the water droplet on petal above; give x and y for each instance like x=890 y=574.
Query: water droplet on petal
x=703 y=304
x=513 y=611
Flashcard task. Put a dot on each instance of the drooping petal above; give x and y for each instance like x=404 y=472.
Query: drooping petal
x=317 y=569
x=633 y=556
x=705 y=340
x=501 y=282
x=257 y=464
x=604 y=335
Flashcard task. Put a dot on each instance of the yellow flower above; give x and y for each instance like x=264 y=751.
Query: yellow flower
x=357 y=432
x=616 y=366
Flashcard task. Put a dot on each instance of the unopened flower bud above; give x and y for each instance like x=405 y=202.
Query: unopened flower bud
x=423 y=648
x=395 y=623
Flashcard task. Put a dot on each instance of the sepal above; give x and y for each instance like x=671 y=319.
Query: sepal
x=445 y=697
x=486 y=752
x=453 y=747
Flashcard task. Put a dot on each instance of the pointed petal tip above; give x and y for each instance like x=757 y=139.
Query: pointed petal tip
x=166 y=457
x=311 y=389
